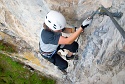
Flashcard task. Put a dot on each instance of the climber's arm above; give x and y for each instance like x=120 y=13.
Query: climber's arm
x=70 y=39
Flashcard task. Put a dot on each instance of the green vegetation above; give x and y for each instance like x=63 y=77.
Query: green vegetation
x=7 y=47
x=12 y=72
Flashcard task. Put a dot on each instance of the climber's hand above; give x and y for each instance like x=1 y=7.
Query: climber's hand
x=86 y=23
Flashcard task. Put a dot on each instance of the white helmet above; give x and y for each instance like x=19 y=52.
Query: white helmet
x=55 y=20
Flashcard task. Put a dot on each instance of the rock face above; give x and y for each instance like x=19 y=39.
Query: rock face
x=102 y=48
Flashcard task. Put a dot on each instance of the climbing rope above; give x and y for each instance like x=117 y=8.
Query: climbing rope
x=103 y=11
x=94 y=13
x=91 y=17
x=120 y=29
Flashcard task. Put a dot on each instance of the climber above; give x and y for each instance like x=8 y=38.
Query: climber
x=51 y=39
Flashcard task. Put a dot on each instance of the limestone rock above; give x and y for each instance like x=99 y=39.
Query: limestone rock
x=102 y=48
x=107 y=3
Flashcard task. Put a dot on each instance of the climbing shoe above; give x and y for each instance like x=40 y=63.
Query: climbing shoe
x=64 y=72
x=75 y=57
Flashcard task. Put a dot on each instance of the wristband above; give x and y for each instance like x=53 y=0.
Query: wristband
x=83 y=27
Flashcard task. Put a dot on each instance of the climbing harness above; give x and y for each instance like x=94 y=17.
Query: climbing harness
x=46 y=54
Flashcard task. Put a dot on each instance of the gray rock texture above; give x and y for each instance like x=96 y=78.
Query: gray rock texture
x=102 y=48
